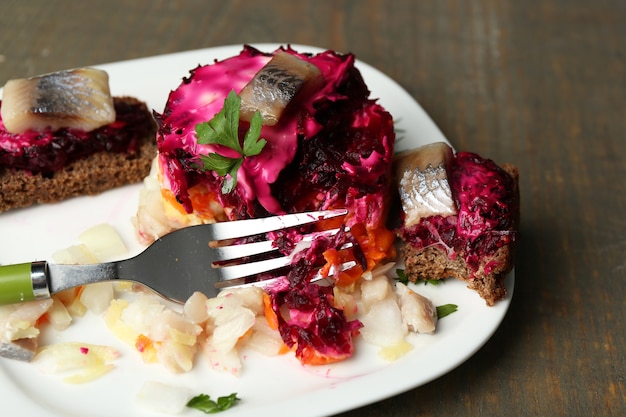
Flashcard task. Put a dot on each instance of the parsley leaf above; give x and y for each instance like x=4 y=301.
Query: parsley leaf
x=204 y=403
x=252 y=145
x=223 y=129
x=218 y=163
x=403 y=277
x=445 y=310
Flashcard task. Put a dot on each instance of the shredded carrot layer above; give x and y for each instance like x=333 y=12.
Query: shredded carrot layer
x=310 y=356
x=203 y=201
x=376 y=244
x=145 y=346
x=270 y=315
x=272 y=320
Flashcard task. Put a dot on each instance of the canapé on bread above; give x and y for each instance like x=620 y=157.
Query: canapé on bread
x=460 y=215
x=118 y=154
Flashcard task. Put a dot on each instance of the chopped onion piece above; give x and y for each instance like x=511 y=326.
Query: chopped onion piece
x=92 y=361
x=195 y=308
x=227 y=334
x=104 y=242
x=249 y=297
x=97 y=296
x=75 y=254
x=58 y=315
x=265 y=340
x=228 y=361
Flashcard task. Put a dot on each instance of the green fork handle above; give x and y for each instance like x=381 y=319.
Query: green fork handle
x=24 y=282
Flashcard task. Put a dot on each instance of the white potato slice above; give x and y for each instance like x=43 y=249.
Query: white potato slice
x=67 y=356
x=382 y=324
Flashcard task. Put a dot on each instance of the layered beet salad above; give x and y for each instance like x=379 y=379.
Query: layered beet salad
x=307 y=137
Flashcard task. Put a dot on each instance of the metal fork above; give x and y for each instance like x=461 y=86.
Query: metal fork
x=176 y=265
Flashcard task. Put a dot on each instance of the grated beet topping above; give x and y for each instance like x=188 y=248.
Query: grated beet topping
x=348 y=158
x=487 y=211
x=330 y=148
x=307 y=319
x=49 y=151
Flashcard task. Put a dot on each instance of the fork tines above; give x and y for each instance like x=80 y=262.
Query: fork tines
x=251 y=227
x=255 y=280
x=234 y=265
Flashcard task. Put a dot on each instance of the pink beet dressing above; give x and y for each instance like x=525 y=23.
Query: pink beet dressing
x=263 y=187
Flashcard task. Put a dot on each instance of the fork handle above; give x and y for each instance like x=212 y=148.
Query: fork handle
x=24 y=282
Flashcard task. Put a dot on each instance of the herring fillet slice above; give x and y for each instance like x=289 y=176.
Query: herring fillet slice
x=424 y=186
x=275 y=85
x=78 y=98
x=22 y=349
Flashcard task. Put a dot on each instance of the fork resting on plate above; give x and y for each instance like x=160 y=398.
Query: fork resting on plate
x=176 y=265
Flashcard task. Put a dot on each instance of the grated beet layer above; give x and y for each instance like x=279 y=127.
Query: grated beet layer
x=49 y=151
x=307 y=319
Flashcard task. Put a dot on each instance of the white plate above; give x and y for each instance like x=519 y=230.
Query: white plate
x=270 y=387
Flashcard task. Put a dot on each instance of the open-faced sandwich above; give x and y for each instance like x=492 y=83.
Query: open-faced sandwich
x=460 y=217
x=62 y=135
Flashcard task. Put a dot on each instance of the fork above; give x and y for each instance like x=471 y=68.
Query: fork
x=190 y=259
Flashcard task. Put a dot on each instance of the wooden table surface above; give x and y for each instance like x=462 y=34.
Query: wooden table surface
x=537 y=83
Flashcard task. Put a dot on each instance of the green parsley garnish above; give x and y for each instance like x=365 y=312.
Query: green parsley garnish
x=445 y=310
x=404 y=278
x=223 y=129
x=204 y=403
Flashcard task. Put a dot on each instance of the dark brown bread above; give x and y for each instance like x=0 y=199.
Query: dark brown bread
x=434 y=263
x=100 y=172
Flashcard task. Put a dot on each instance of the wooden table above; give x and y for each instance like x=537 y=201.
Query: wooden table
x=537 y=83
